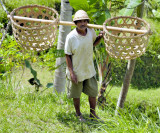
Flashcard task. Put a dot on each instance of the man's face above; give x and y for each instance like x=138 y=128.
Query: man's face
x=82 y=24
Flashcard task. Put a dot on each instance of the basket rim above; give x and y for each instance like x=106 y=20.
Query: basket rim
x=34 y=28
x=140 y=35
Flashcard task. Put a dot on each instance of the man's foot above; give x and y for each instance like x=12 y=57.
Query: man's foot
x=94 y=116
x=80 y=118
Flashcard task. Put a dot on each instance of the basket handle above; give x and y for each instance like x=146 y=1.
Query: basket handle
x=67 y=23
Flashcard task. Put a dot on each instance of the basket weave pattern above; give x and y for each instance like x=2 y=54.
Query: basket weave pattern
x=124 y=45
x=34 y=35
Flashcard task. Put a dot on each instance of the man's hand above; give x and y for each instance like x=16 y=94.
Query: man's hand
x=98 y=39
x=74 y=78
x=101 y=33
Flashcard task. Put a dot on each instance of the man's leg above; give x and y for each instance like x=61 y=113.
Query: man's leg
x=76 y=102
x=77 y=108
x=92 y=102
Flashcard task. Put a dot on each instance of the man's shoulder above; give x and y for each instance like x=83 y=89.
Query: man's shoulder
x=72 y=33
x=91 y=30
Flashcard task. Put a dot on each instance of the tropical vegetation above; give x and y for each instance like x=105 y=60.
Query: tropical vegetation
x=33 y=107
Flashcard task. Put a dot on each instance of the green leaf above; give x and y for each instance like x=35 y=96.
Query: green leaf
x=34 y=81
x=1 y=58
x=101 y=19
x=58 y=53
x=31 y=81
x=101 y=16
x=156 y=13
x=37 y=82
x=103 y=1
x=34 y=73
x=50 y=85
x=131 y=4
x=127 y=2
x=107 y=14
x=90 y=2
x=1 y=25
x=79 y=4
x=125 y=12
x=27 y=64
x=157 y=1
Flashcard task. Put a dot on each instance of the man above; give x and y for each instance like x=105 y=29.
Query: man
x=80 y=68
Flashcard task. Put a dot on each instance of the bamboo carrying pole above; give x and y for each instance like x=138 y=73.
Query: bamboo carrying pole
x=67 y=23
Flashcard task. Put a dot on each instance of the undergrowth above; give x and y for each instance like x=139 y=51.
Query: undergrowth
x=24 y=110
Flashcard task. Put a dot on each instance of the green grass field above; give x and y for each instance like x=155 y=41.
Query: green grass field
x=24 y=110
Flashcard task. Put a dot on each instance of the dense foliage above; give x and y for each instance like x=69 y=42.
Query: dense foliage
x=146 y=72
x=12 y=4
x=12 y=54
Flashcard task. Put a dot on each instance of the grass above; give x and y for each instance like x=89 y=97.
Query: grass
x=24 y=110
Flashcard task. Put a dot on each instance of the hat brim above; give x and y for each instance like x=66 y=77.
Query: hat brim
x=80 y=19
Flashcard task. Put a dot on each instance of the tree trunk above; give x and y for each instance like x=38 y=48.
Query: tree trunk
x=129 y=71
x=125 y=86
x=66 y=15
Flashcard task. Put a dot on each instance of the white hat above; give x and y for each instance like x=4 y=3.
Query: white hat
x=80 y=15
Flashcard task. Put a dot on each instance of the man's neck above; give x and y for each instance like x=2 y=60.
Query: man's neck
x=82 y=32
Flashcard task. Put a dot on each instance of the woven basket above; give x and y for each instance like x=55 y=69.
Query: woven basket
x=34 y=35
x=125 y=45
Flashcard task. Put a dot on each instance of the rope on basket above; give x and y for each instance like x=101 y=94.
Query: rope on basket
x=34 y=35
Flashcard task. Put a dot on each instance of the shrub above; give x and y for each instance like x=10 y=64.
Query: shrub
x=12 y=4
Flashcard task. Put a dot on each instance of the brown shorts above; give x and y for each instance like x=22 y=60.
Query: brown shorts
x=88 y=86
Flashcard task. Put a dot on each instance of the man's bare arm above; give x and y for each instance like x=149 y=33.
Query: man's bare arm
x=98 y=39
x=70 y=68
